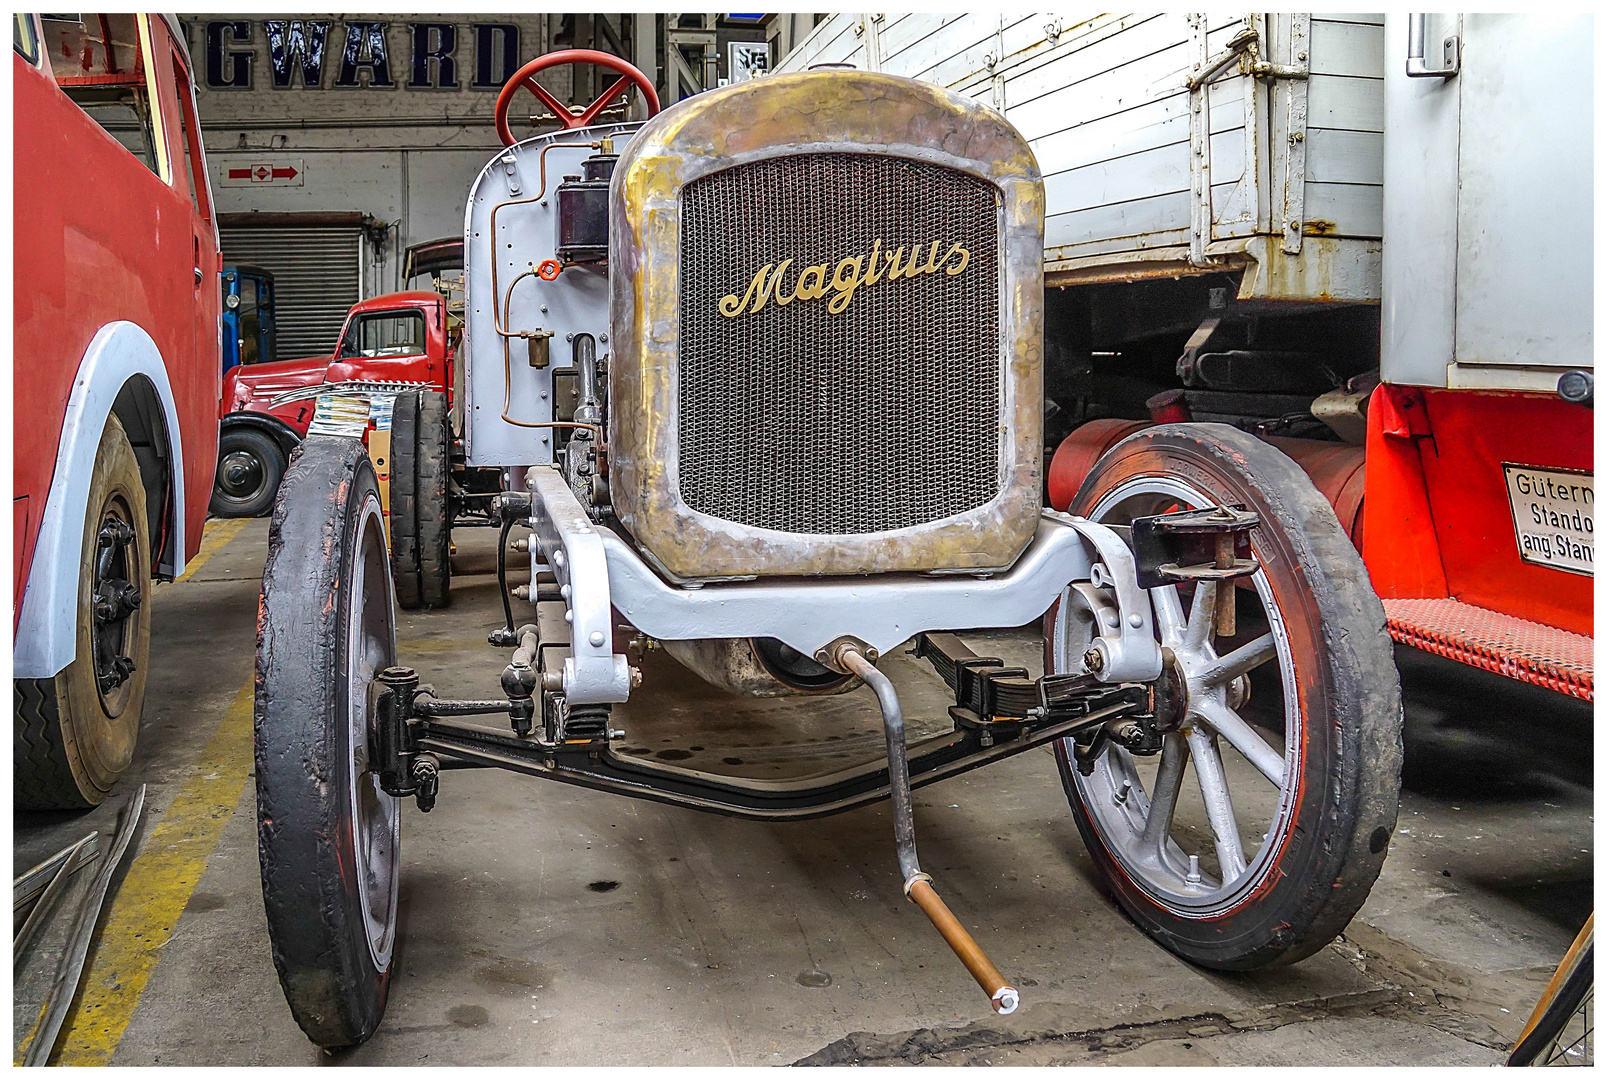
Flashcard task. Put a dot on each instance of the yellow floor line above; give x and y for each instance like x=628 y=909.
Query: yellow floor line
x=158 y=886
x=219 y=531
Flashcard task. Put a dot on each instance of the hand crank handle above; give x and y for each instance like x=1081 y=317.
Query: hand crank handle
x=918 y=886
x=1001 y=994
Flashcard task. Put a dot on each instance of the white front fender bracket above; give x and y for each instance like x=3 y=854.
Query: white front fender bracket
x=568 y=542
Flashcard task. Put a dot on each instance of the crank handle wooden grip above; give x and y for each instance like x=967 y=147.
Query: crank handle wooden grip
x=1002 y=995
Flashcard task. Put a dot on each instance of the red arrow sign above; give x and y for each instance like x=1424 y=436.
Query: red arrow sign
x=263 y=173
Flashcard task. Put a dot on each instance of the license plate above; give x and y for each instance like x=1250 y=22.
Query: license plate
x=1553 y=515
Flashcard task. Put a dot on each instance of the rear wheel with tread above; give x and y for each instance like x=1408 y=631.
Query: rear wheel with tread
x=434 y=512
x=404 y=501
x=75 y=733
x=250 y=466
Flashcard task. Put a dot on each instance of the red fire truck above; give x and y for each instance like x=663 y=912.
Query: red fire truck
x=394 y=352
x=115 y=380
x=266 y=409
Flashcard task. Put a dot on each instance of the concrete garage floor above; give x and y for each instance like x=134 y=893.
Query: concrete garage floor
x=544 y=924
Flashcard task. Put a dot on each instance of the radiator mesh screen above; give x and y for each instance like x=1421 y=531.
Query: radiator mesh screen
x=881 y=417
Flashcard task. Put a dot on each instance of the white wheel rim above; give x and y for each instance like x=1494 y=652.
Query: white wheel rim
x=1138 y=826
x=370 y=648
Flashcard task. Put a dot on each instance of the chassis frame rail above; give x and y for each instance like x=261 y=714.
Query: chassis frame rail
x=425 y=734
x=596 y=766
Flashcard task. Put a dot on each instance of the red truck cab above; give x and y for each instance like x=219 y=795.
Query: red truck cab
x=398 y=338
x=115 y=380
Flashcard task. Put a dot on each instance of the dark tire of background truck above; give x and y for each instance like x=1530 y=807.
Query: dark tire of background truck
x=75 y=733
x=327 y=835
x=434 y=470
x=250 y=466
x=404 y=501
x=1334 y=807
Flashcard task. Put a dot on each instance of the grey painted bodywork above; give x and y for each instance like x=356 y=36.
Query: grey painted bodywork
x=577 y=302
x=1488 y=261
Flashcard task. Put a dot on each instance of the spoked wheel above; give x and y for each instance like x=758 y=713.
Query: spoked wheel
x=1256 y=832
x=328 y=836
x=1562 y=1028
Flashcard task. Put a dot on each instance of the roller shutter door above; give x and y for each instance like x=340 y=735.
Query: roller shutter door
x=317 y=278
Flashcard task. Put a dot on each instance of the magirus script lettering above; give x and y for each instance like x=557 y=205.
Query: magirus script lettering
x=851 y=274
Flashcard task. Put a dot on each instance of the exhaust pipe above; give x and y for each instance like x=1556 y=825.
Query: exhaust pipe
x=918 y=886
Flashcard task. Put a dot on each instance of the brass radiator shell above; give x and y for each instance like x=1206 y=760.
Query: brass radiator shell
x=813 y=113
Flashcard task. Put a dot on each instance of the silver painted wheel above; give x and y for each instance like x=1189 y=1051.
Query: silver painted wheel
x=370 y=649
x=1255 y=832
x=1239 y=774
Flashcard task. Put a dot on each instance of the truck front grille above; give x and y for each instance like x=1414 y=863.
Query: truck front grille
x=880 y=416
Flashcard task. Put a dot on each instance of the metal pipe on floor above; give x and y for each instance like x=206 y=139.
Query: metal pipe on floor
x=918 y=886
x=66 y=861
x=70 y=967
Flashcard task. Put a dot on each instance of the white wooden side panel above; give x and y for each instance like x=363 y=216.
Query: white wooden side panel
x=1347 y=48
x=903 y=32
x=1133 y=131
x=1105 y=109
x=832 y=42
x=962 y=50
x=1353 y=210
x=1120 y=226
x=1088 y=88
x=1108 y=120
x=1345 y=125
x=1139 y=225
x=1340 y=101
x=1337 y=156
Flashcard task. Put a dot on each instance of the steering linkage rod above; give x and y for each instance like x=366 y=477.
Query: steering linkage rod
x=918 y=886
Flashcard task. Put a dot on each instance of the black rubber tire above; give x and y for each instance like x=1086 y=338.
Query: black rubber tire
x=1344 y=816
x=404 y=501
x=270 y=463
x=305 y=824
x=71 y=744
x=434 y=514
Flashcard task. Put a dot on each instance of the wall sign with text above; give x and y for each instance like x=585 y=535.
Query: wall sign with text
x=323 y=54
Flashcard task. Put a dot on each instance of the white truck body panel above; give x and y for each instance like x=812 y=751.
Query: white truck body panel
x=1489 y=266
x=1145 y=177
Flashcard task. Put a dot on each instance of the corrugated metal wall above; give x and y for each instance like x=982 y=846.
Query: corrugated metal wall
x=317 y=278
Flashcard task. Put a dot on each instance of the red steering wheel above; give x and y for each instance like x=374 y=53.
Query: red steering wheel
x=628 y=76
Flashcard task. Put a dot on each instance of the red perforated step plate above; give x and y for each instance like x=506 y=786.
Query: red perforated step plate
x=1509 y=646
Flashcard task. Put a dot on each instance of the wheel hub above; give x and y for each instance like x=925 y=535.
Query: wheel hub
x=115 y=601
x=240 y=473
x=1131 y=793
x=1171 y=693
